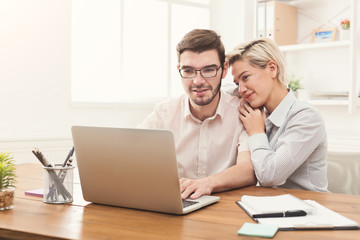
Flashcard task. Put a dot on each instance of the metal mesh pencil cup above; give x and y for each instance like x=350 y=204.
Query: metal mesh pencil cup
x=58 y=184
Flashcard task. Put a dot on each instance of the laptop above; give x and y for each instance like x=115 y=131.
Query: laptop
x=132 y=168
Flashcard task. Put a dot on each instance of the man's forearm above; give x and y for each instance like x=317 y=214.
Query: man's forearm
x=239 y=175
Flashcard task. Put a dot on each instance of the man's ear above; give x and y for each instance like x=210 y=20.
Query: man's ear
x=225 y=69
x=273 y=69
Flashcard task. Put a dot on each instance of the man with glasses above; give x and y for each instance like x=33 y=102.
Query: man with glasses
x=211 y=143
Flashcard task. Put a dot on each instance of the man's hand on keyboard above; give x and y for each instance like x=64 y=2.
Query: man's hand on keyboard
x=195 y=188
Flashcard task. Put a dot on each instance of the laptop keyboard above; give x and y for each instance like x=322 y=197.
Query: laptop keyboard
x=187 y=203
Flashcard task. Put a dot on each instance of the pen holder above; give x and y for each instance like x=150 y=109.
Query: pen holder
x=58 y=184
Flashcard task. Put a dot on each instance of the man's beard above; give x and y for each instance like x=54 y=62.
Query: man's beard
x=205 y=101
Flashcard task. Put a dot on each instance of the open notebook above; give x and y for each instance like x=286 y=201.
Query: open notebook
x=133 y=168
x=316 y=216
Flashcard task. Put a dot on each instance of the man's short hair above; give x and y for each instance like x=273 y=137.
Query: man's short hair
x=200 y=40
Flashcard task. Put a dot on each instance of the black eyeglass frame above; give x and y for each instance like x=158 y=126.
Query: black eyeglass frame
x=200 y=70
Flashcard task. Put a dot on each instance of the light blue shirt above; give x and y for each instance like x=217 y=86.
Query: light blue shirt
x=293 y=152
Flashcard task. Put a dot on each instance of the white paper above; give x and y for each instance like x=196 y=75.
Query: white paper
x=274 y=204
x=321 y=217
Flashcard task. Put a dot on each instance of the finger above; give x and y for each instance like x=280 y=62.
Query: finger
x=241 y=107
x=196 y=194
x=248 y=107
x=243 y=112
x=185 y=194
x=184 y=183
x=241 y=117
x=242 y=102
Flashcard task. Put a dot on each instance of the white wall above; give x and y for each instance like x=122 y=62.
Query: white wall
x=35 y=81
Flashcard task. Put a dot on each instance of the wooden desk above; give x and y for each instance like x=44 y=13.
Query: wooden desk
x=33 y=219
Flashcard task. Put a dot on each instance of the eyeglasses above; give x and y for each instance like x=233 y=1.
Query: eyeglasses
x=207 y=72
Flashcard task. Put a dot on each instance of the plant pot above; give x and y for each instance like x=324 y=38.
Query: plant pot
x=344 y=35
x=296 y=93
x=7 y=196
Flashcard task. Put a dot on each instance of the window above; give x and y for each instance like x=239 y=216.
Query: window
x=125 y=50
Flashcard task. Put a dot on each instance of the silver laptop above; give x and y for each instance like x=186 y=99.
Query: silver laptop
x=133 y=168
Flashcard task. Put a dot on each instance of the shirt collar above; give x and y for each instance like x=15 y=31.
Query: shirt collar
x=219 y=110
x=278 y=116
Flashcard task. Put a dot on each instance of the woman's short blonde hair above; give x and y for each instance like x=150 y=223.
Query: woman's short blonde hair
x=258 y=53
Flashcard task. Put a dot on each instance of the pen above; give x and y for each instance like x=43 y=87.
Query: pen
x=63 y=172
x=67 y=159
x=68 y=156
x=280 y=214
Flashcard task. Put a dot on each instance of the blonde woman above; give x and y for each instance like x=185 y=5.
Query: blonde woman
x=288 y=142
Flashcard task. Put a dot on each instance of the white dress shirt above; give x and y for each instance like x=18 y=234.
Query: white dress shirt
x=293 y=152
x=204 y=147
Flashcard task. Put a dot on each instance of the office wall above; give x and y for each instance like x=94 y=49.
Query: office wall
x=35 y=82
x=36 y=110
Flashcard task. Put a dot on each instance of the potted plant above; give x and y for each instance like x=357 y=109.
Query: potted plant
x=294 y=83
x=345 y=24
x=344 y=29
x=7 y=181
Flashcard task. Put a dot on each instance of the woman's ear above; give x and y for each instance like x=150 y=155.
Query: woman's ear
x=273 y=69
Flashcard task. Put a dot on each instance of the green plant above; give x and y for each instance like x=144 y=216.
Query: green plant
x=7 y=170
x=294 y=83
x=345 y=24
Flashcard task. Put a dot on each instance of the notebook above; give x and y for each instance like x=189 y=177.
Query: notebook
x=255 y=205
x=132 y=168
